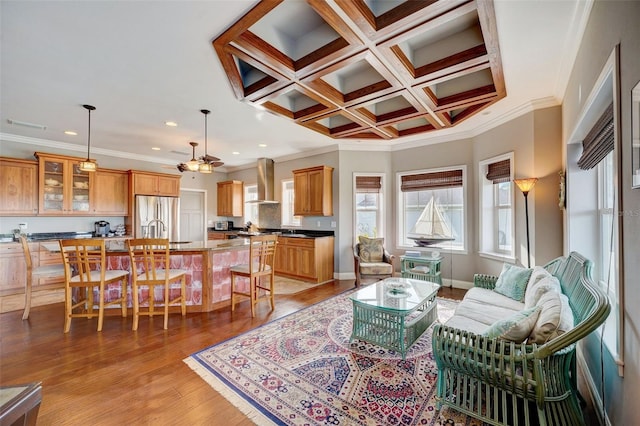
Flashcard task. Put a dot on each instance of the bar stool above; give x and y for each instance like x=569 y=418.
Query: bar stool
x=150 y=267
x=86 y=268
x=36 y=272
x=262 y=252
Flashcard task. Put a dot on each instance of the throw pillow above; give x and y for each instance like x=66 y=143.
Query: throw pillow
x=371 y=249
x=512 y=281
x=515 y=328
x=535 y=291
x=555 y=318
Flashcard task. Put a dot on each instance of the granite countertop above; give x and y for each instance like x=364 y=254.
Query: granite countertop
x=115 y=245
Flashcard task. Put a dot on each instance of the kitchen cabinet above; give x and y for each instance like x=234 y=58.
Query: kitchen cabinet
x=18 y=187
x=230 y=198
x=308 y=259
x=12 y=269
x=145 y=183
x=110 y=193
x=64 y=189
x=313 y=191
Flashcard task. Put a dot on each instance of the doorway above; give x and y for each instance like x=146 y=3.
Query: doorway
x=193 y=213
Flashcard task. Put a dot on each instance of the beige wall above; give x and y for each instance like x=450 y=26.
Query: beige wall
x=611 y=23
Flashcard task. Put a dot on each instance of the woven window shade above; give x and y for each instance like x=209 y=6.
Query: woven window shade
x=598 y=142
x=368 y=184
x=423 y=181
x=500 y=171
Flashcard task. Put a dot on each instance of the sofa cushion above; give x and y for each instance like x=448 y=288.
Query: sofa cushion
x=468 y=324
x=555 y=318
x=537 y=289
x=513 y=281
x=376 y=268
x=490 y=298
x=515 y=328
x=371 y=249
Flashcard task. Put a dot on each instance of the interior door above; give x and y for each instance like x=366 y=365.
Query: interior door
x=193 y=215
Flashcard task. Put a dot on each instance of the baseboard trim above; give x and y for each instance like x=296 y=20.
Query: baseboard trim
x=593 y=395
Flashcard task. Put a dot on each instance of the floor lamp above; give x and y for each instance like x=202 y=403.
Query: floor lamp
x=525 y=186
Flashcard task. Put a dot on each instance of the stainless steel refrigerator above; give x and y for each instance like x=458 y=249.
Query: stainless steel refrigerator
x=157 y=217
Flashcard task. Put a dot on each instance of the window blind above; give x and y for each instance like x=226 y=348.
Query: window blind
x=368 y=183
x=499 y=172
x=424 y=181
x=598 y=142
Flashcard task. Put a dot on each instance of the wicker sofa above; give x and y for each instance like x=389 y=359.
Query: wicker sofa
x=503 y=382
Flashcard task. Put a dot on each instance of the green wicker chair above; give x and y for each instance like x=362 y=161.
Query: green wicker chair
x=501 y=382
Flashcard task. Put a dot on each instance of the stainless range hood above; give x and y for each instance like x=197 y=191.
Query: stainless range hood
x=265 y=182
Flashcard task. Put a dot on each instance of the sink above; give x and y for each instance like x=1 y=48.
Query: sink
x=296 y=236
x=180 y=242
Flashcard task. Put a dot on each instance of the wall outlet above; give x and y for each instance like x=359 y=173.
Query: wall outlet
x=22 y=226
x=333 y=224
x=318 y=224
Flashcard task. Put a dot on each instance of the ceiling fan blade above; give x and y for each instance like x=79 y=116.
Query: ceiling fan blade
x=216 y=163
x=209 y=158
x=182 y=167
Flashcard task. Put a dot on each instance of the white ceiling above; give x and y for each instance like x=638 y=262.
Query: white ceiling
x=141 y=63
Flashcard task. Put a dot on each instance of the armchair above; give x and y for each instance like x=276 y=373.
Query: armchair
x=372 y=260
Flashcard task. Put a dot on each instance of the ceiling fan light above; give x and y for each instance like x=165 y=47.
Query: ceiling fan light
x=205 y=168
x=193 y=165
x=88 y=166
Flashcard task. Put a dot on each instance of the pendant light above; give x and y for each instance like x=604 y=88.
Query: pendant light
x=205 y=167
x=89 y=165
x=193 y=164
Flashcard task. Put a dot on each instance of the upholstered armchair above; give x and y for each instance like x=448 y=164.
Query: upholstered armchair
x=372 y=260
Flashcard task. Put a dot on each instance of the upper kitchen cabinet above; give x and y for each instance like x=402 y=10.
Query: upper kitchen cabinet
x=110 y=193
x=145 y=183
x=64 y=189
x=231 y=198
x=313 y=191
x=18 y=187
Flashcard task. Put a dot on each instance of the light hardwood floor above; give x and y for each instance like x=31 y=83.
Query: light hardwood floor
x=125 y=377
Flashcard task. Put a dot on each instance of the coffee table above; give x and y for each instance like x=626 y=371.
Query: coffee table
x=393 y=313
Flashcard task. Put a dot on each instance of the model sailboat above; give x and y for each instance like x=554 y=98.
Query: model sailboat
x=431 y=227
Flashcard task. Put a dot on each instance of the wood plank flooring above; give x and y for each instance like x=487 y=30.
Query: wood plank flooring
x=124 y=377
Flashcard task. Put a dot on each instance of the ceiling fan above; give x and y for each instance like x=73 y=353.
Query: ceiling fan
x=205 y=163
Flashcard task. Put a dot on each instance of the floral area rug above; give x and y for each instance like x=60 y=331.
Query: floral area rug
x=302 y=370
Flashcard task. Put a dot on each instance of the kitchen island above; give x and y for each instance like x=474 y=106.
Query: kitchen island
x=208 y=280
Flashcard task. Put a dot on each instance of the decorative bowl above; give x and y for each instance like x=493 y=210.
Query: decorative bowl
x=51 y=182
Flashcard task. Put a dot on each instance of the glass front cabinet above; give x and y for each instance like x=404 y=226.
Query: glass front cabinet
x=64 y=188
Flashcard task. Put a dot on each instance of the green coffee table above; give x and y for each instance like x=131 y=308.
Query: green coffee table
x=393 y=313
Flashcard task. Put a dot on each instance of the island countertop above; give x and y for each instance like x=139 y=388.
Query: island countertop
x=119 y=246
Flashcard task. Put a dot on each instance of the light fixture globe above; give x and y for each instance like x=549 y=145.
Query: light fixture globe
x=88 y=165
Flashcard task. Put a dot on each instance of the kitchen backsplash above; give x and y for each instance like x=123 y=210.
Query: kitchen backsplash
x=37 y=224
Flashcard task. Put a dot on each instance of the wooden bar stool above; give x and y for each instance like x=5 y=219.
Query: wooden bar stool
x=86 y=268
x=36 y=272
x=150 y=267
x=262 y=252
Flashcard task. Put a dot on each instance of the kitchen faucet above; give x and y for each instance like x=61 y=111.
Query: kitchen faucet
x=162 y=228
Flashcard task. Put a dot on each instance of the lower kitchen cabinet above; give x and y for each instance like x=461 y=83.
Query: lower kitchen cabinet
x=308 y=259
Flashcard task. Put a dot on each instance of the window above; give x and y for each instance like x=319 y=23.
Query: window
x=431 y=208
x=250 y=209
x=496 y=207
x=288 y=219
x=368 y=205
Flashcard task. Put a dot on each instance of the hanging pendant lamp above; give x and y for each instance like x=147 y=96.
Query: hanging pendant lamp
x=89 y=165
x=205 y=167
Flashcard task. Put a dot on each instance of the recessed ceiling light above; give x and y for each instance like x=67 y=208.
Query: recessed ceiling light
x=70 y=133
x=171 y=123
x=262 y=145
x=155 y=148
x=235 y=153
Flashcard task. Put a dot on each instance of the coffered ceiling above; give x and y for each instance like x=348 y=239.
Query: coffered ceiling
x=352 y=69
x=313 y=76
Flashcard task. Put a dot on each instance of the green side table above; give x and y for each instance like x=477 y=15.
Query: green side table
x=421 y=268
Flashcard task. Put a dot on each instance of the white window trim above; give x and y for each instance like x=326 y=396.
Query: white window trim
x=482 y=181
x=400 y=216
x=283 y=182
x=381 y=209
